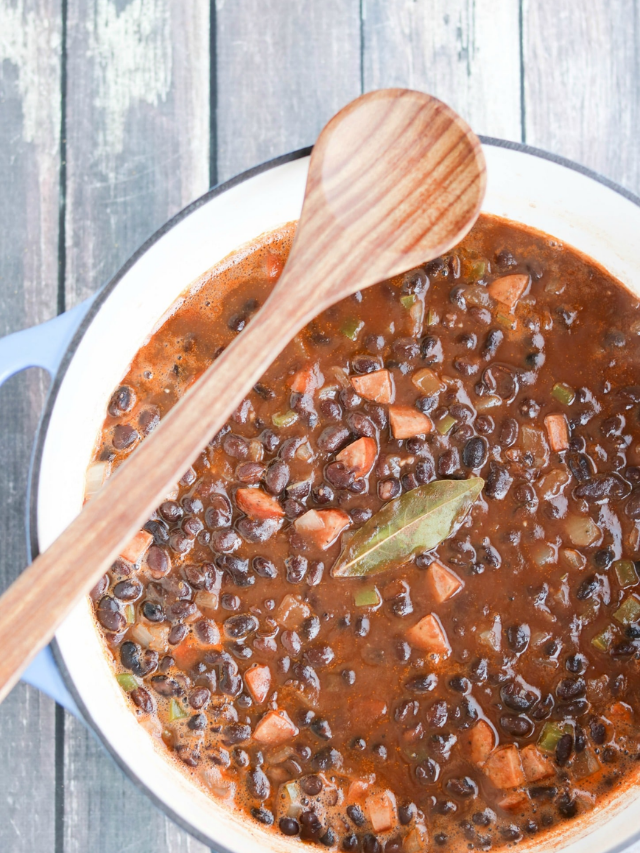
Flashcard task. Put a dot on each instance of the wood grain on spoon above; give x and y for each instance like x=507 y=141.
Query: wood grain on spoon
x=395 y=179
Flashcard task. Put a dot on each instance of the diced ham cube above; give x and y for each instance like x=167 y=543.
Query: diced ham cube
x=322 y=527
x=534 y=764
x=503 y=767
x=137 y=547
x=407 y=422
x=382 y=810
x=359 y=456
x=307 y=380
x=558 y=432
x=376 y=386
x=442 y=582
x=478 y=742
x=258 y=681
x=257 y=504
x=275 y=728
x=429 y=635
x=514 y=802
x=509 y=288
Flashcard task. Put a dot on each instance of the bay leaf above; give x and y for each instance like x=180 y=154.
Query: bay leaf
x=417 y=521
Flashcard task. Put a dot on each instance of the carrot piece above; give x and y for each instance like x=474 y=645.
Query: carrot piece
x=478 y=742
x=322 y=527
x=620 y=714
x=359 y=456
x=442 y=582
x=534 y=764
x=382 y=810
x=258 y=681
x=406 y=422
x=307 y=380
x=357 y=789
x=558 y=432
x=429 y=635
x=134 y=550
x=514 y=801
x=275 y=728
x=376 y=386
x=509 y=288
x=503 y=767
x=257 y=504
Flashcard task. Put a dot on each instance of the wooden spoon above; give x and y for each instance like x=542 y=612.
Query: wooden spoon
x=395 y=179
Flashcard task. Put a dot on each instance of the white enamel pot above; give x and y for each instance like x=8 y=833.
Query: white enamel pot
x=527 y=186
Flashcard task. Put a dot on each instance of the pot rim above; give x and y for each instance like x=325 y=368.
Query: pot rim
x=34 y=473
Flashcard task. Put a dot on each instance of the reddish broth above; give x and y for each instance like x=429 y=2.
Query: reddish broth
x=313 y=702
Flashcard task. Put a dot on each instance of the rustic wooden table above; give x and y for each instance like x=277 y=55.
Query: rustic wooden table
x=114 y=114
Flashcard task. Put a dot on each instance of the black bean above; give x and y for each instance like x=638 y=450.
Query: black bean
x=474 y=454
x=219 y=513
x=177 y=634
x=462 y=786
x=567 y=806
x=516 y=697
x=498 y=482
x=276 y=477
x=518 y=637
x=289 y=826
x=158 y=560
x=587 y=588
x=152 y=611
x=409 y=482
x=235 y=446
x=326 y=759
x=296 y=568
x=264 y=568
x=199 y=697
x=564 y=748
x=258 y=784
x=431 y=349
x=370 y=844
x=350 y=843
x=263 y=816
x=239 y=627
x=632 y=509
x=365 y=364
x=109 y=615
x=236 y=733
x=236 y=569
x=509 y=430
x=516 y=725
x=142 y=699
x=604 y=486
x=122 y=401
x=198 y=722
x=339 y=476
x=422 y=683
x=361 y=425
x=362 y=626
x=180 y=610
x=322 y=494
x=311 y=785
x=449 y=462
x=166 y=686
x=427 y=771
x=389 y=488
x=576 y=663
x=128 y=590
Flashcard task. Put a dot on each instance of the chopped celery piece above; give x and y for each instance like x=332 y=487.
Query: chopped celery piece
x=604 y=639
x=475 y=269
x=427 y=381
x=626 y=572
x=284 y=419
x=176 y=711
x=432 y=318
x=369 y=597
x=408 y=301
x=563 y=393
x=506 y=320
x=551 y=734
x=352 y=328
x=629 y=611
x=585 y=764
x=130 y=614
x=445 y=424
x=126 y=681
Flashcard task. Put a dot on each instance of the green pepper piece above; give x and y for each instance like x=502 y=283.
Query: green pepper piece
x=551 y=734
x=626 y=572
x=629 y=611
x=445 y=424
x=176 y=711
x=432 y=318
x=284 y=419
x=352 y=328
x=368 y=597
x=408 y=301
x=127 y=681
x=563 y=393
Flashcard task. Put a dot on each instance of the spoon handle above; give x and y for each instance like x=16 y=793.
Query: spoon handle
x=38 y=601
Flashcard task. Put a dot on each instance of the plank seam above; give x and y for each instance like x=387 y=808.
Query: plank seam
x=213 y=95
x=62 y=175
x=58 y=805
x=523 y=106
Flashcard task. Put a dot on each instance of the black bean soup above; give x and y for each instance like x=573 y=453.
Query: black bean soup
x=469 y=694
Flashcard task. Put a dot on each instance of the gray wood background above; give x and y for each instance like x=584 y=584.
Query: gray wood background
x=114 y=114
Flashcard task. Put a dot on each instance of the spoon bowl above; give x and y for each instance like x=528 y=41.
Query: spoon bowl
x=396 y=179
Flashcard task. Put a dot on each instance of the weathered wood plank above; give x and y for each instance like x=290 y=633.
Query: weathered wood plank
x=465 y=52
x=137 y=151
x=138 y=127
x=29 y=165
x=582 y=98
x=283 y=68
